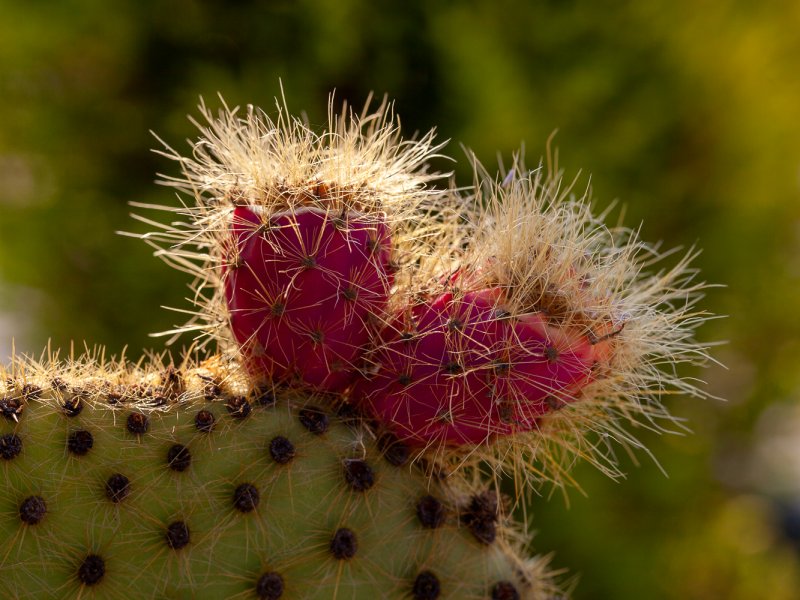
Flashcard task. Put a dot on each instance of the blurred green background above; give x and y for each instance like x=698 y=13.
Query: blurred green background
x=686 y=111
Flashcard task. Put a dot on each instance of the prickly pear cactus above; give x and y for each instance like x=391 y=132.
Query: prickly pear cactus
x=192 y=482
x=383 y=352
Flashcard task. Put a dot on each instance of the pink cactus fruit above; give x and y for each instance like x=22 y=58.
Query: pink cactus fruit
x=554 y=333
x=302 y=287
x=460 y=369
x=294 y=235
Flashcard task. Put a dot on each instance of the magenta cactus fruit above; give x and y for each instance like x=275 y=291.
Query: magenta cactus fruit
x=294 y=236
x=302 y=288
x=550 y=329
x=460 y=369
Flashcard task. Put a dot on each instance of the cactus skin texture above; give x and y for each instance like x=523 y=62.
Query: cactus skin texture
x=160 y=482
x=302 y=287
x=461 y=369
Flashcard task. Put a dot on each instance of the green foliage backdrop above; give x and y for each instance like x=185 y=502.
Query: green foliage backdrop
x=687 y=112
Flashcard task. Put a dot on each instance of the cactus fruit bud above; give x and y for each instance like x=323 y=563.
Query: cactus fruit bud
x=301 y=287
x=162 y=485
x=295 y=237
x=462 y=369
x=550 y=326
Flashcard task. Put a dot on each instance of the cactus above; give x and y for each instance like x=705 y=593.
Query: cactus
x=192 y=482
x=383 y=351
x=506 y=327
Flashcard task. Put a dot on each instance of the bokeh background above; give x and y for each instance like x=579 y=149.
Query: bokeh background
x=686 y=111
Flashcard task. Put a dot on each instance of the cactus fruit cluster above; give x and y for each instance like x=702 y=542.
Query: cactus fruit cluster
x=372 y=352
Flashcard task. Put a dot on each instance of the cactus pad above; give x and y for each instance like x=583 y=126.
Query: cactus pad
x=191 y=483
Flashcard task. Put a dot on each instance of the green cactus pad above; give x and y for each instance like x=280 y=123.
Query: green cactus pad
x=119 y=481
